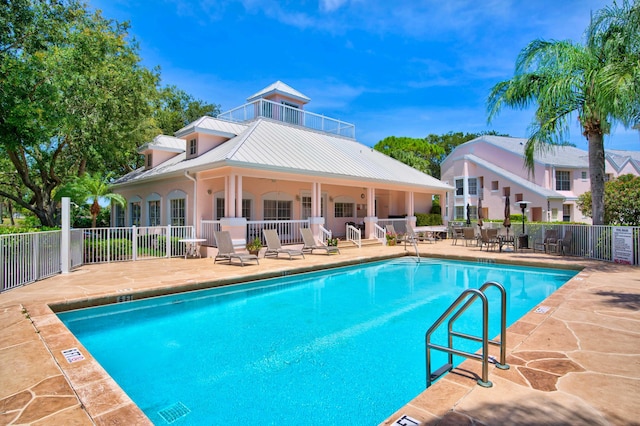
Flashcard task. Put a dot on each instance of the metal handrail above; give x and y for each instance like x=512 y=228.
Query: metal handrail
x=468 y=297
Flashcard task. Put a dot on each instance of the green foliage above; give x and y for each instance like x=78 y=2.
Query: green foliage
x=432 y=219
x=599 y=82
x=621 y=201
x=425 y=154
x=175 y=109
x=117 y=248
x=436 y=209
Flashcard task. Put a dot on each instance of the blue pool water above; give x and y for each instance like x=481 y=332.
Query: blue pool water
x=343 y=346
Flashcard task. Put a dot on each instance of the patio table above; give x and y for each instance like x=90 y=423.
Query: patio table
x=192 y=246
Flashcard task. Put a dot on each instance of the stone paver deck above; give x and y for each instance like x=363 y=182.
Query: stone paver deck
x=578 y=363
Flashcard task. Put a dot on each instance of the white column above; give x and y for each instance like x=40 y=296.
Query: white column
x=318 y=212
x=231 y=196
x=226 y=196
x=314 y=200
x=65 y=243
x=465 y=185
x=239 y=197
x=371 y=202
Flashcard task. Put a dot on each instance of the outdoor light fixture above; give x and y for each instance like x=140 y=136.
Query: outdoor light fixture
x=523 y=206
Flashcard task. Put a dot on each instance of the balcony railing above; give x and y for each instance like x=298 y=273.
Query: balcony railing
x=285 y=113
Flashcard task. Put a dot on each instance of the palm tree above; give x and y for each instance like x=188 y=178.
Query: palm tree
x=90 y=188
x=599 y=82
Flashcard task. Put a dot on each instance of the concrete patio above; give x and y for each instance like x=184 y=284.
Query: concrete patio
x=577 y=363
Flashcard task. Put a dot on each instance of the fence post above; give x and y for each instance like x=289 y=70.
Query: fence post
x=134 y=242
x=168 y=241
x=65 y=240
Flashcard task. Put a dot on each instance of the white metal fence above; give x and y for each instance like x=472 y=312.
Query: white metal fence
x=207 y=229
x=288 y=230
x=25 y=258
x=28 y=257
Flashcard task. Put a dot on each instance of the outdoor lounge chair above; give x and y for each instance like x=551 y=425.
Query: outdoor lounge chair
x=227 y=252
x=564 y=244
x=274 y=247
x=310 y=243
x=399 y=237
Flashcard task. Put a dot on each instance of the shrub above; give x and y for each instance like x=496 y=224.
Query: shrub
x=424 y=219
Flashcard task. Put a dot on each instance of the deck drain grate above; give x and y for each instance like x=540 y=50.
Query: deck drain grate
x=174 y=412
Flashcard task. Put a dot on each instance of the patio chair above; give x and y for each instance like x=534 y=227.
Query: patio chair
x=549 y=241
x=564 y=244
x=456 y=234
x=489 y=238
x=227 y=252
x=469 y=236
x=274 y=247
x=310 y=243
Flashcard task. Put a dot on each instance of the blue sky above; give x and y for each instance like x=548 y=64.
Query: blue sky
x=391 y=67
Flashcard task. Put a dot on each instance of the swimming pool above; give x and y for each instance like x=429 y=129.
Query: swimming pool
x=337 y=346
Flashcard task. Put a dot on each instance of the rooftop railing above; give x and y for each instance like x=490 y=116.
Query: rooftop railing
x=288 y=114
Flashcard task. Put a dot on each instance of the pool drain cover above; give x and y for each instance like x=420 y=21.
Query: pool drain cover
x=174 y=412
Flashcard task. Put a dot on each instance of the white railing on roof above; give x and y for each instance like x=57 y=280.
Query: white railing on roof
x=285 y=113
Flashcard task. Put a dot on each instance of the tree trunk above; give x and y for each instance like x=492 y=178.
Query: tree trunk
x=95 y=211
x=596 y=174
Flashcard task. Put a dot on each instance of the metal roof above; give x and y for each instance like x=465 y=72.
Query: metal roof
x=165 y=143
x=512 y=177
x=554 y=155
x=210 y=125
x=279 y=87
x=272 y=145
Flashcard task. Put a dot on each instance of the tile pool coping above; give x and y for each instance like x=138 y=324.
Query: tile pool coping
x=103 y=402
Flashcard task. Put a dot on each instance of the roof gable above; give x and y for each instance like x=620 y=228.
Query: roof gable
x=279 y=88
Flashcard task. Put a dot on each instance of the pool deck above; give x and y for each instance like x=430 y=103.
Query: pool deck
x=578 y=363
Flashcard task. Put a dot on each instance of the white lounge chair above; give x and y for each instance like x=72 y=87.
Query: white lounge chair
x=227 y=252
x=274 y=247
x=310 y=243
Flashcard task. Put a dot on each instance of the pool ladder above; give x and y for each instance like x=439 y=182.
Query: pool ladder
x=468 y=297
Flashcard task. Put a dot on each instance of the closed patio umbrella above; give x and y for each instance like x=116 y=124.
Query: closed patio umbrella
x=468 y=214
x=507 y=214
x=480 y=215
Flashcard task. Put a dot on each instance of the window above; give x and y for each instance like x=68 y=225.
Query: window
x=563 y=182
x=460 y=213
x=566 y=212
x=154 y=213
x=135 y=210
x=149 y=162
x=305 y=205
x=119 y=215
x=219 y=208
x=519 y=197
x=343 y=209
x=608 y=177
x=494 y=185
x=277 y=210
x=584 y=175
x=472 y=185
x=193 y=147
x=246 y=208
x=459 y=187
x=178 y=213
x=506 y=191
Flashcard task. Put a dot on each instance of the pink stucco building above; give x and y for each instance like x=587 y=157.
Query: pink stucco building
x=270 y=159
x=490 y=167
